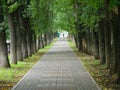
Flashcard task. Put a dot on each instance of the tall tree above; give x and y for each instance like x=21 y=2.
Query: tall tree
x=4 y=62
x=13 y=46
x=107 y=31
x=115 y=63
x=12 y=23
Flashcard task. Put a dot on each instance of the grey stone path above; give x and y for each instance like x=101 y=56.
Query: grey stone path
x=58 y=69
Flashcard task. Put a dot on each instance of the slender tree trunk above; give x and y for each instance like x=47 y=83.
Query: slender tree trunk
x=19 y=46
x=101 y=42
x=19 y=39
x=13 y=48
x=88 y=41
x=84 y=41
x=80 y=40
x=91 y=43
x=31 y=39
x=28 y=36
x=45 y=39
x=76 y=41
x=107 y=32
x=38 y=43
x=95 y=44
x=4 y=62
x=24 y=45
x=48 y=38
x=34 y=43
x=42 y=41
x=29 y=44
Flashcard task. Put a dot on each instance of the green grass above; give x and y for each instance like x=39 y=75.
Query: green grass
x=8 y=77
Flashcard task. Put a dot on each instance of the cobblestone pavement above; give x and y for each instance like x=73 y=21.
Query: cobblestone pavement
x=58 y=69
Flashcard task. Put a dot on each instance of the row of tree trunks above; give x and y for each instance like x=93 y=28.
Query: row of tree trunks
x=48 y=37
x=95 y=43
x=23 y=40
x=28 y=44
x=104 y=41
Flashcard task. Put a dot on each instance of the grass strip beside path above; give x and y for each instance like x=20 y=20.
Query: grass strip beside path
x=9 y=77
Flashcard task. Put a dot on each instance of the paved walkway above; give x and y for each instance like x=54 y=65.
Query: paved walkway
x=58 y=69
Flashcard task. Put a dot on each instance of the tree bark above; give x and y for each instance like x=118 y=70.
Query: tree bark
x=88 y=41
x=107 y=32
x=19 y=38
x=115 y=62
x=4 y=62
x=84 y=41
x=13 y=48
x=118 y=71
x=42 y=41
x=76 y=41
x=28 y=36
x=95 y=44
x=38 y=43
x=101 y=42
x=80 y=40
x=29 y=44
x=34 y=43
x=45 y=39
x=24 y=45
x=19 y=45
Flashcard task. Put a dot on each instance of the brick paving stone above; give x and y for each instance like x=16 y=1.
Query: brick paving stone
x=58 y=69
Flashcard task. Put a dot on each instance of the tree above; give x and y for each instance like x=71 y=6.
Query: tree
x=115 y=64
x=12 y=23
x=4 y=62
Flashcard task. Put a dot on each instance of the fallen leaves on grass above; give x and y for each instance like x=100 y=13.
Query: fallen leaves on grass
x=98 y=72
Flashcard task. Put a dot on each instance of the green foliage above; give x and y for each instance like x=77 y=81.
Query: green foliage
x=4 y=26
x=1 y=26
x=114 y=3
x=13 y=7
x=10 y=1
x=63 y=15
x=41 y=15
x=89 y=13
